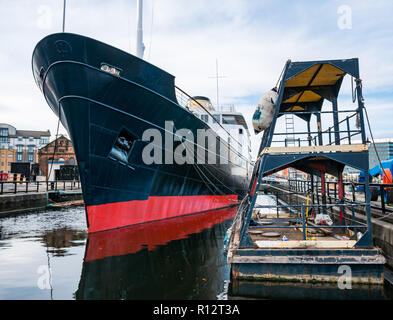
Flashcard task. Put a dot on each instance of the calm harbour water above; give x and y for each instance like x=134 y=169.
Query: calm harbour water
x=48 y=255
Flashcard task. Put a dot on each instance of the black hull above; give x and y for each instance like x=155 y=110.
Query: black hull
x=95 y=106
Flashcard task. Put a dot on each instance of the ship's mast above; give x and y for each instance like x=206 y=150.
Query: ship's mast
x=217 y=77
x=140 y=47
x=64 y=9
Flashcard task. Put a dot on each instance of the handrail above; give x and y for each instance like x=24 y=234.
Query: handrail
x=303 y=187
x=207 y=113
x=14 y=187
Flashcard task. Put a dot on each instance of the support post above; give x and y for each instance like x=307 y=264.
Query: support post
x=304 y=223
x=341 y=197
x=309 y=132
x=366 y=241
x=335 y=121
x=323 y=192
x=349 y=131
x=319 y=127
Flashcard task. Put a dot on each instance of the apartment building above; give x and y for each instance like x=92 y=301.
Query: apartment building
x=20 y=145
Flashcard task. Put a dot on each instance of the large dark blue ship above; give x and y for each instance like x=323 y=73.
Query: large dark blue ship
x=107 y=100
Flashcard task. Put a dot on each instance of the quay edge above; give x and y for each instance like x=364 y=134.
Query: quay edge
x=308 y=265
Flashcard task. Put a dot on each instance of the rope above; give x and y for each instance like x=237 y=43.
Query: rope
x=49 y=268
x=282 y=72
x=199 y=171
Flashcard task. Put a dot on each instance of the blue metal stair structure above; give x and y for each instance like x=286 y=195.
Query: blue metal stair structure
x=304 y=87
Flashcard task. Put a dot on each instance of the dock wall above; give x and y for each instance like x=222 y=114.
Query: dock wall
x=21 y=203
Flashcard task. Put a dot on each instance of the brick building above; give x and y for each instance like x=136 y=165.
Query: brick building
x=62 y=153
x=6 y=157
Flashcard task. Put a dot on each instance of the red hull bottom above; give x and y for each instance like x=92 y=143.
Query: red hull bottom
x=121 y=214
x=123 y=241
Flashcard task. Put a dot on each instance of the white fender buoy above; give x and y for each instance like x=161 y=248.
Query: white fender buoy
x=264 y=113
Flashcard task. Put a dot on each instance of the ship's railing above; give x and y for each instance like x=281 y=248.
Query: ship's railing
x=13 y=187
x=226 y=108
x=182 y=98
x=348 y=128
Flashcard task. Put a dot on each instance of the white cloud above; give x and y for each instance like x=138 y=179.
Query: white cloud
x=251 y=40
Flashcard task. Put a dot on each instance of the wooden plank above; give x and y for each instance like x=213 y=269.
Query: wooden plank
x=319 y=244
x=317 y=149
x=374 y=259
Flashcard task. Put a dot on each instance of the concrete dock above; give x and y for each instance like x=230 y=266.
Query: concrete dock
x=11 y=204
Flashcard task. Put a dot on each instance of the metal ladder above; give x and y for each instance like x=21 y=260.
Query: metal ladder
x=289 y=130
x=290 y=140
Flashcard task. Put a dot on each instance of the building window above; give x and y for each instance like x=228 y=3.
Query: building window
x=31 y=139
x=31 y=149
x=10 y=155
x=19 y=148
x=19 y=157
x=4 y=135
x=20 y=138
x=30 y=157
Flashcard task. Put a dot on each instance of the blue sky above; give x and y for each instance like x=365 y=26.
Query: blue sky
x=251 y=40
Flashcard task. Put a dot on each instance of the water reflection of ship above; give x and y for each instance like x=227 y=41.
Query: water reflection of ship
x=181 y=258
